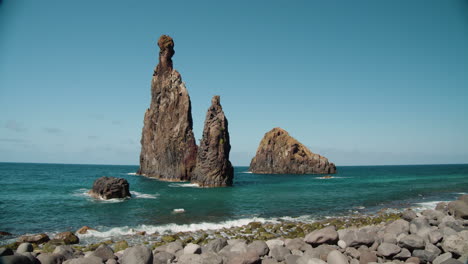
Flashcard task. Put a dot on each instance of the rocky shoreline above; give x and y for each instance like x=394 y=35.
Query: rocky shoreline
x=431 y=236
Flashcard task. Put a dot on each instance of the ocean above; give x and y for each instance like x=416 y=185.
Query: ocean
x=53 y=198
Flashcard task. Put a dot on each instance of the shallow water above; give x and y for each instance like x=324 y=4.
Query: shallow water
x=52 y=197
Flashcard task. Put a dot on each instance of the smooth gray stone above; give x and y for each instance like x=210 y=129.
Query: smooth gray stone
x=457 y=244
x=190 y=259
x=390 y=238
x=412 y=242
x=295 y=243
x=215 y=245
x=291 y=259
x=307 y=260
x=435 y=236
x=239 y=248
x=397 y=227
x=269 y=261
x=354 y=238
x=420 y=226
x=51 y=258
x=162 y=257
x=246 y=258
x=211 y=258
x=404 y=254
x=326 y=235
x=173 y=247
x=191 y=248
x=137 y=255
x=274 y=243
x=388 y=250
x=442 y=258
x=86 y=260
x=25 y=247
x=408 y=215
x=279 y=253
x=452 y=261
x=111 y=261
x=66 y=251
x=367 y=257
x=104 y=252
x=259 y=247
x=424 y=255
x=335 y=257
x=352 y=252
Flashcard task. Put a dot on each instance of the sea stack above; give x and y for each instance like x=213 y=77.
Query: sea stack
x=213 y=166
x=279 y=153
x=168 y=148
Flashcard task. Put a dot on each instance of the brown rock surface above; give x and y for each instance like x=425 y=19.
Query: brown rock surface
x=279 y=153
x=168 y=149
x=213 y=166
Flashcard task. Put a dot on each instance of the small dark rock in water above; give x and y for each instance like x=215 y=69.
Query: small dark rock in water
x=36 y=239
x=213 y=166
x=3 y=233
x=68 y=238
x=279 y=153
x=110 y=187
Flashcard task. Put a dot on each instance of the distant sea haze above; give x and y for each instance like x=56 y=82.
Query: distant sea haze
x=55 y=195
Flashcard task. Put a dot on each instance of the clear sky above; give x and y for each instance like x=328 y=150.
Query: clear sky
x=360 y=82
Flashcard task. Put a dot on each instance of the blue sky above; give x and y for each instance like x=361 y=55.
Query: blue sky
x=360 y=82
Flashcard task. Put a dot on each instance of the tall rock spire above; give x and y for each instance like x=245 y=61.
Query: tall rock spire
x=168 y=149
x=213 y=166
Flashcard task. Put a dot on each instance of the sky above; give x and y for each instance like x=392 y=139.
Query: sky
x=364 y=82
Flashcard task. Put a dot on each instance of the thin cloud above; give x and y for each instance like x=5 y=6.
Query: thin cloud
x=92 y=137
x=15 y=126
x=116 y=122
x=13 y=140
x=53 y=130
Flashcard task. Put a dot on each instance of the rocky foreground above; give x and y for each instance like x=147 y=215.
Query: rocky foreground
x=437 y=236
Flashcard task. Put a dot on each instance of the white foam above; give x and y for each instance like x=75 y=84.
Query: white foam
x=179 y=210
x=330 y=177
x=143 y=195
x=170 y=228
x=83 y=192
x=186 y=185
x=427 y=205
x=132 y=173
x=248 y=172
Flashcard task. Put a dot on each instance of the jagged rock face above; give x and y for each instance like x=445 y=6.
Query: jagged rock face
x=279 y=153
x=110 y=187
x=213 y=166
x=168 y=149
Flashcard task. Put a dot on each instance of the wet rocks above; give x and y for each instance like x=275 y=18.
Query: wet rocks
x=213 y=166
x=67 y=237
x=110 y=188
x=279 y=153
x=168 y=148
x=34 y=239
x=325 y=235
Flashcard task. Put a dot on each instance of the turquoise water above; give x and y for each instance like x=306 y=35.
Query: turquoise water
x=52 y=197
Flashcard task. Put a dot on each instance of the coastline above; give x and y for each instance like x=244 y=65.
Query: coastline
x=404 y=236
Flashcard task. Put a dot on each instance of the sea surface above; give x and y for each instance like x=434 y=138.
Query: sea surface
x=53 y=198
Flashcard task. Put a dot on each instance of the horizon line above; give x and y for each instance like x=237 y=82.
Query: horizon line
x=102 y=164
